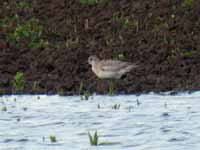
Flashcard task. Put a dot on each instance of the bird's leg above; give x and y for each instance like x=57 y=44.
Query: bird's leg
x=111 y=87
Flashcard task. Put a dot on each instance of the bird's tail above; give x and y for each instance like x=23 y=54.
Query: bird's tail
x=129 y=67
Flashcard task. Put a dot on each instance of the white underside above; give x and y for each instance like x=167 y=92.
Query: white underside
x=109 y=75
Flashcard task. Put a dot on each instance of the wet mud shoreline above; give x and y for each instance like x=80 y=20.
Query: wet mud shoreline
x=49 y=41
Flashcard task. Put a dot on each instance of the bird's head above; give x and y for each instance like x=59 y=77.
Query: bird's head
x=93 y=59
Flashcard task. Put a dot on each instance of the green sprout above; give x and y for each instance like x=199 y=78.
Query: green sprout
x=111 y=87
x=52 y=138
x=81 y=88
x=93 y=139
x=187 y=53
x=9 y=21
x=70 y=43
x=30 y=30
x=19 y=81
x=4 y=108
x=126 y=22
x=188 y=4
x=35 y=86
x=23 y=5
x=116 y=106
x=84 y=94
x=179 y=52
x=61 y=92
x=119 y=56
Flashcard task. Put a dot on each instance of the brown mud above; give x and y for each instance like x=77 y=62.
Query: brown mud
x=162 y=36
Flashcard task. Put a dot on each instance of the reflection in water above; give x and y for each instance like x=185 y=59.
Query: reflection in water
x=141 y=122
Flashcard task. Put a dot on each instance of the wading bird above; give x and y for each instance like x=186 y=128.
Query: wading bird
x=110 y=69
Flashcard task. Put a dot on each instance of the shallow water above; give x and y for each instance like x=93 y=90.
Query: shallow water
x=145 y=122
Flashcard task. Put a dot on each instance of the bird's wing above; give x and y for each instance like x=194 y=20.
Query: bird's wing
x=113 y=65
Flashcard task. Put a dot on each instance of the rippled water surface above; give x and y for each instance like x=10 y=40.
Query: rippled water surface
x=145 y=122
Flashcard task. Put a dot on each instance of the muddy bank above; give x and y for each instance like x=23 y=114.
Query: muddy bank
x=49 y=41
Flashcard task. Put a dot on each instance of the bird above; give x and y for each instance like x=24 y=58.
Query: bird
x=110 y=69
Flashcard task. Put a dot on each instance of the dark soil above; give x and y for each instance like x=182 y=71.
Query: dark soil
x=162 y=36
